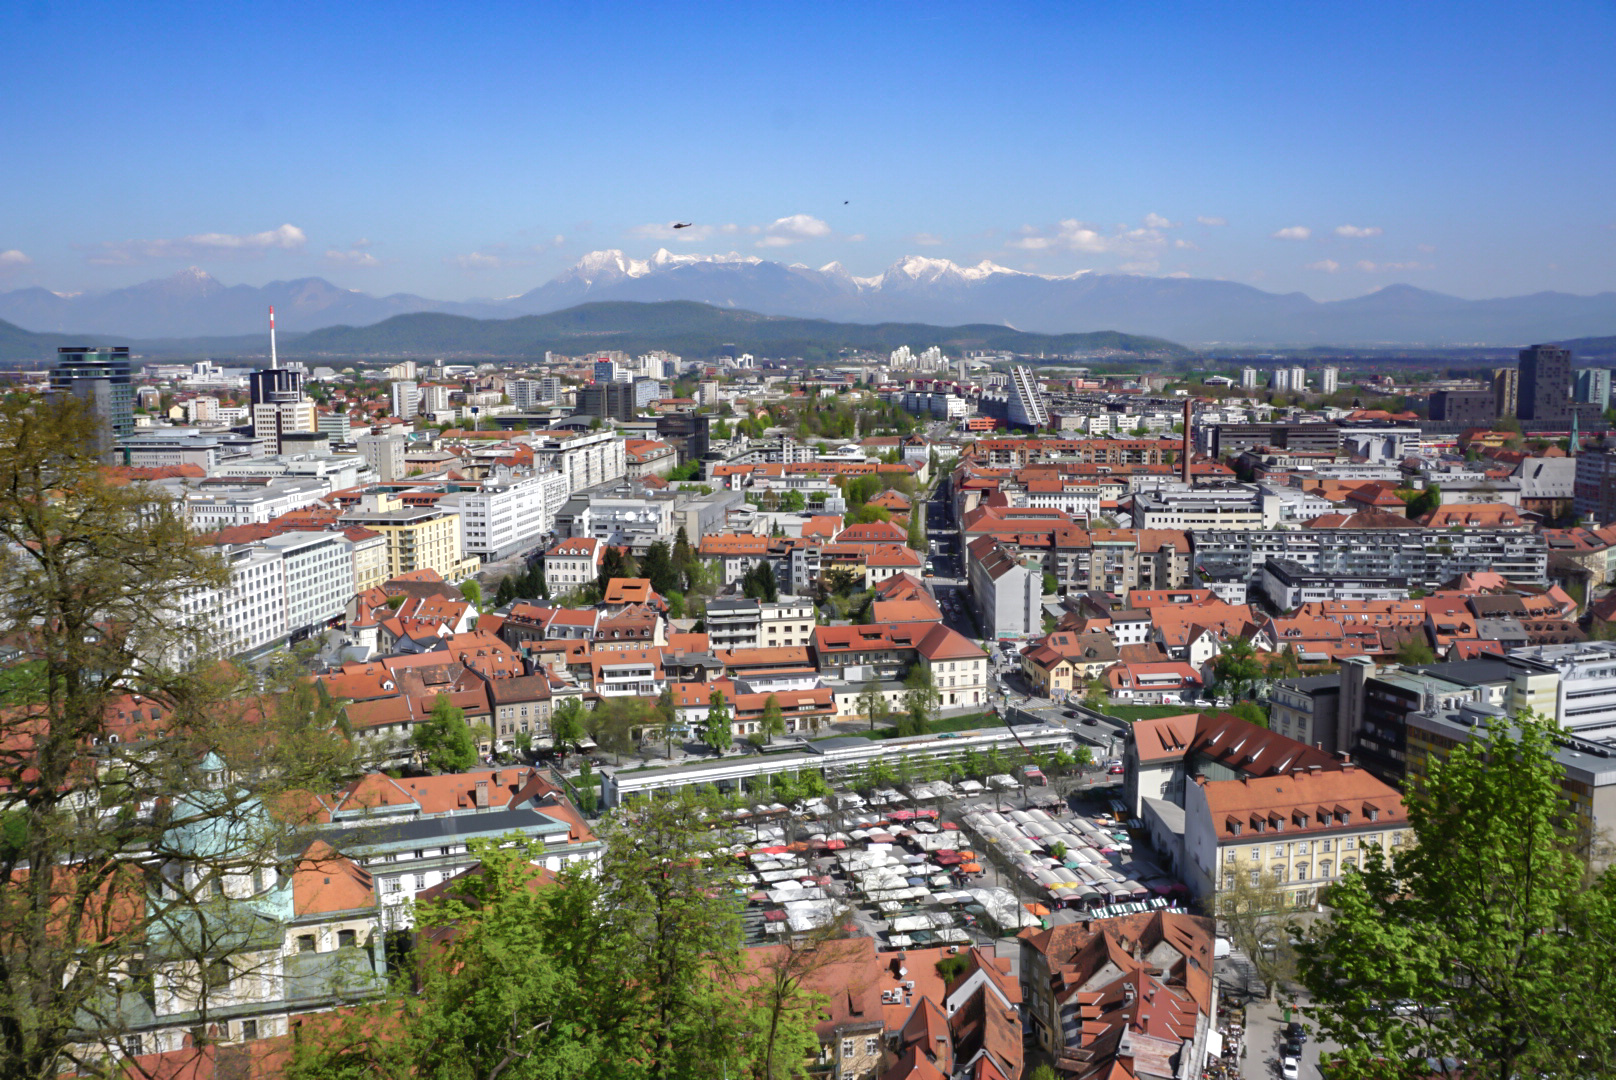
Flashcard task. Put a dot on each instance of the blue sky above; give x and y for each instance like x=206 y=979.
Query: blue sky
x=477 y=150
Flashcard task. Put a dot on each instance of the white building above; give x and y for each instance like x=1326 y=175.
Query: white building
x=406 y=400
x=250 y=504
x=250 y=612
x=573 y=562
x=385 y=455
x=1329 y=380
x=588 y=458
x=434 y=398
x=1248 y=378
x=318 y=569
x=508 y=512
x=786 y=623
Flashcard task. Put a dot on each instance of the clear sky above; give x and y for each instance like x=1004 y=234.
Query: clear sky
x=477 y=149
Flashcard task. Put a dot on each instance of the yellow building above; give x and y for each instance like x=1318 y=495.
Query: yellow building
x=418 y=537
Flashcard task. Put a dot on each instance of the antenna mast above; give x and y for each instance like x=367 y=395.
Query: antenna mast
x=273 y=360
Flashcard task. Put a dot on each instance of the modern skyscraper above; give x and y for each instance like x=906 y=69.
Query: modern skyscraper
x=99 y=376
x=1507 y=389
x=1545 y=394
x=1027 y=399
x=1593 y=386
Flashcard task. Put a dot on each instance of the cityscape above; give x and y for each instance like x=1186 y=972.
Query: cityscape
x=1074 y=652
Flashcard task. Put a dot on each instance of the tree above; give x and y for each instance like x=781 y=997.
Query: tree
x=1051 y=583
x=443 y=739
x=794 y=502
x=118 y=834
x=716 y=731
x=506 y=593
x=667 y=716
x=789 y=1006
x=567 y=725
x=1251 y=712
x=873 y=704
x=1094 y=694
x=720 y=430
x=1237 y=668
x=1415 y=650
x=773 y=722
x=920 y=700
x=917 y=527
x=1491 y=924
x=658 y=567
x=588 y=787
x=1258 y=920
x=472 y=590
x=867 y=514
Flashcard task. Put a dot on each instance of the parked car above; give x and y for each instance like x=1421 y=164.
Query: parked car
x=1295 y=1031
x=1290 y=1068
x=1114 y=770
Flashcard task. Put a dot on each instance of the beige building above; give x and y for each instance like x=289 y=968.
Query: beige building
x=369 y=557
x=1303 y=829
x=418 y=537
x=785 y=624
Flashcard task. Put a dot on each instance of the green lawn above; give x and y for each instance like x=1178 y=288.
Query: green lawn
x=1130 y=713
x=969 y=722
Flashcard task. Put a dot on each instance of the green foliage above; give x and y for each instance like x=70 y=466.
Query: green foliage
x=873 y=704
x=1416 y=650
x=506 y=593
x=773 y=723
x=794 y=502
x=1491 y=923
x=1251 y=712
x=1237 y=668
x=759 y=583
x=1051 y=583
x=720 y=430
x=866 y=514
x=472 y=591
x=716 y=731
x=443 y=739
x=658 y=567
x=950 y=968
x=567 y=724
x=920 y=701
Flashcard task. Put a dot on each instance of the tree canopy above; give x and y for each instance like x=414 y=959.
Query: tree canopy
x=443 y=739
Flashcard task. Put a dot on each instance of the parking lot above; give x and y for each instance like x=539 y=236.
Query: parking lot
x=938 y=863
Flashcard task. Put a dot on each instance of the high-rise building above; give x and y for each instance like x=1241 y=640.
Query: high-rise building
x=1463 y=407
x=605 y=371
x=1280 y=380
x=385 y=454
x=524 y=393
x=1545 y=389
x=278 y=406
x=1593 y=386
x=1298 y=379
x=1329 y=380
x=1506 y=389
x=607 y=400
x=406 y=400
x=1248 y=378
x=434 y=399
x=1027 y=406
x=99 y=376
x=550 y=388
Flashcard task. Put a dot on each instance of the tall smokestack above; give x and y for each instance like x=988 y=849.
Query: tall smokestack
x=274 y=361
x=1189 y=416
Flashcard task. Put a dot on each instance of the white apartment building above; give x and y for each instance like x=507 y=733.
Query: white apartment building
x=508 y=512
x=406 y=400
x=1232 y=507
x=587 y=459
x=335 y=426
x=385 y=453
x=573 y=562
x=434 y=398
x=1329 y=380
x=318 y=568
x=250 y=612
x=786 y=623
x=524 y=393
x=202 y=410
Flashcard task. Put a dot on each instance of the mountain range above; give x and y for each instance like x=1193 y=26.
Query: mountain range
x=681 y=326
x=914 y=289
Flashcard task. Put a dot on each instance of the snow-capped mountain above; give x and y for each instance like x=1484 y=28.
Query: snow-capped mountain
x=913 y=289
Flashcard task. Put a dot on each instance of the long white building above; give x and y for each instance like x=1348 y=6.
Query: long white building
x=509 y=512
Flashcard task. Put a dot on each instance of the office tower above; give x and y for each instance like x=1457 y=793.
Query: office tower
x=607 y=400
x=1506 y=389
x=549 y=388
x=1545 y=391
x=278 y=405
x=605 y=371
x=99 y=376
x=406 y=400
x=1027 y=399
x=1329 y=380
x=1593 y=386
x=1248 y=378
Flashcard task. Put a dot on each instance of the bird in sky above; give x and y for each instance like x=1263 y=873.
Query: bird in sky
x=681 y=224
x=844 y=202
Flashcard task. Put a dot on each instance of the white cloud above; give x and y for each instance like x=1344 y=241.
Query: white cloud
x=1329 y=266
x=198 y=246
x=482 y=260
x=351 y=258
x=1354 y=232
x=1213 y=220
x=794 y=230
x=1185 y=245
x=857 y=238
x=1293 y=232
x=1156 y=221
x=1084 y=238
x=926 y=239
x=1390 y=267
x=362 y=242
x=1179 y=274
x=13 y=258
x=1424 y=249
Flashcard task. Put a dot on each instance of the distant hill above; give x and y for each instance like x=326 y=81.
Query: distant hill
x=690 y=329
x=1591 y=348
x=21 y=346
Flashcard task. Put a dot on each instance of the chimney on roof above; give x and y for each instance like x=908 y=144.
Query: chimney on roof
x=482 y=794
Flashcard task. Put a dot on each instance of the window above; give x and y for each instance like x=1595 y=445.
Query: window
x=1397 y=839
x=1324 y=868
x=219 y=974
x=1301 y=871
x=131 y=1046
x=345 y=939
x=1279 y=851
x=1256 y=878
x=1324 y=845
x=249 y=1030
x=872 y=1043
x=1256 y=852
x=1301 y=847
x=1348 y=843
x=847 y=1048
x=1228 y=856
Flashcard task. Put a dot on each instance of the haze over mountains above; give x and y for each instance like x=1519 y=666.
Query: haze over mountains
x=914 y=289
